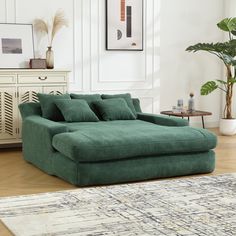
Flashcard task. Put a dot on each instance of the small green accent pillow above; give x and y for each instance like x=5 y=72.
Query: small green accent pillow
x=48 y=106
x=89 y=98
x=126 y=97
x=76 y=110
x=114 y=109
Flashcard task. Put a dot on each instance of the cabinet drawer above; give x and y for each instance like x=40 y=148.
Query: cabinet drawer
x=42 y=78
x=7 y=79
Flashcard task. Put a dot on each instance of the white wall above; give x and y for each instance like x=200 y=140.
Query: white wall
x=176 y=24
x=81 y=47
x=184 y=23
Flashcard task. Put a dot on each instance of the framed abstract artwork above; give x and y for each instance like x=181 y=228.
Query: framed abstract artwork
x=124 y=25
x=16 y=45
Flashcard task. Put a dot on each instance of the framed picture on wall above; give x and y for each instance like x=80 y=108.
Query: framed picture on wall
x=16 y=45
x=124 y=25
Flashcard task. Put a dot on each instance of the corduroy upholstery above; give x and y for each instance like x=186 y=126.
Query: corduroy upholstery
x=107 y=152
x=125 y=96
x=114 y=109
x=76 y=110
x=100 y=141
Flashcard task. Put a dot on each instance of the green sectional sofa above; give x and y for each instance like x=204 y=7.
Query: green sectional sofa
x=106 y=152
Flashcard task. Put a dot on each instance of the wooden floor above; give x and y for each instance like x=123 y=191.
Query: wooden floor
x=18 y=177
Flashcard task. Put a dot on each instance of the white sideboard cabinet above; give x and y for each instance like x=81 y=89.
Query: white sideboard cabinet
x=21 y=86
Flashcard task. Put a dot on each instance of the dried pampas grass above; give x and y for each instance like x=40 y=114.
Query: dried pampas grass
x=58 y=22
x=41 y=26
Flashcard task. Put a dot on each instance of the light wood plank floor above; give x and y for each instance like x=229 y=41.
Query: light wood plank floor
x=18 y=177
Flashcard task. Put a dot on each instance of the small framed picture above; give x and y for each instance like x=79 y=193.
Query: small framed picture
x=124 y=25
x=16 y=45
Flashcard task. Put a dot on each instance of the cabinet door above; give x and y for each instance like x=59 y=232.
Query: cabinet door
x=8 y=113
x=56 y=90
x=29 y=94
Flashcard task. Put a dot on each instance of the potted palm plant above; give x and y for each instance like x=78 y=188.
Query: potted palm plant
x=226 y=52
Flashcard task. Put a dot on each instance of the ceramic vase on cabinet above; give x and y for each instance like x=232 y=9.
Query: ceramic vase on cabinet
x=50 y=58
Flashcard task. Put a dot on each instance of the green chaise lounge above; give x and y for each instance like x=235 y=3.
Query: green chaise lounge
x=108 y=152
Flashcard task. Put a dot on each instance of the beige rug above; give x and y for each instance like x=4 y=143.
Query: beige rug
x=190 y=206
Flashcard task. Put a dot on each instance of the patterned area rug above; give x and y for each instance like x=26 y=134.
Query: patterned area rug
x=192 y=206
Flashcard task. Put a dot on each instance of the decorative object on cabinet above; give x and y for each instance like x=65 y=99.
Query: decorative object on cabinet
x=16 y=45
x=49 y=58
x=22 y=86
x=37 y=63
x=124 y=25
x=51 y=29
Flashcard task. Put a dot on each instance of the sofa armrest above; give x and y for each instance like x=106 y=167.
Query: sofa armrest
x=37 y=133
x=162 y=119
x=30 y=109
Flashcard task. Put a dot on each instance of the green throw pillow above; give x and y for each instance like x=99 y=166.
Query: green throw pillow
x=114 y=109
x=89 y=98
x=126 y=97
x=48 y=106
x=136 y=103
x=76 y=110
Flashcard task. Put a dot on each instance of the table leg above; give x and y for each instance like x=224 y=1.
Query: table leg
x=188 y=118
x=203 y=125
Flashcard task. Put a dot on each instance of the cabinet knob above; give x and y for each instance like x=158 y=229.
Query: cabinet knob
x=41 y=78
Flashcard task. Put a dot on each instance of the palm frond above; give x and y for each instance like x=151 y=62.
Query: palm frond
x=210 y=47
x=208 y=87
x=226 y=51
x=228 y=24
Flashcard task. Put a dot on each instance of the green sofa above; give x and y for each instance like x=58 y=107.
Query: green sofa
x=107 y=152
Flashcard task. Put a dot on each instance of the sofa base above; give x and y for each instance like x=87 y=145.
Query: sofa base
x=129 y=170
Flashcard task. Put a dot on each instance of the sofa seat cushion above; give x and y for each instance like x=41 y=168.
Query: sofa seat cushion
x=114 y=140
